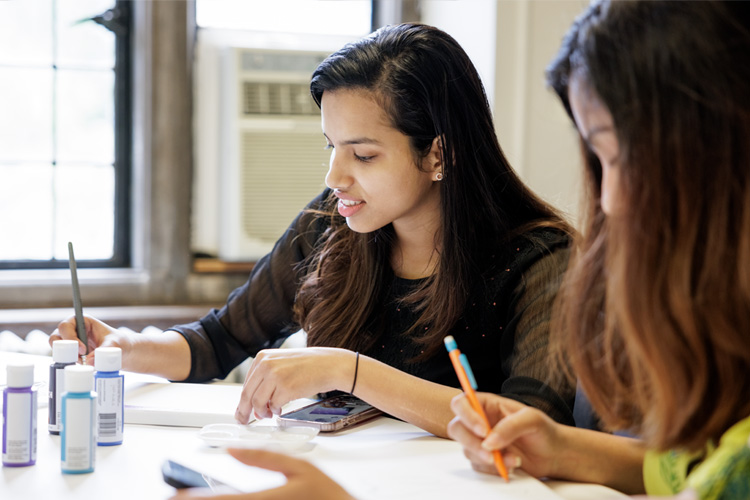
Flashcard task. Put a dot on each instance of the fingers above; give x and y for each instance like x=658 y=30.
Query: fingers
x=256 y=393
x=66 y=330
x=272 y=381
x=304 y=480
x=96 y=333
x=525 y=421
x=469 y=418
x=243 y=414
x=278 y=462
x=480 y=458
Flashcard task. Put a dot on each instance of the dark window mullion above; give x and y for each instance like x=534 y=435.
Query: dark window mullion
x=123 y=138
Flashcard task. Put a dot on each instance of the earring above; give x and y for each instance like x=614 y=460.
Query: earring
x=439 y=176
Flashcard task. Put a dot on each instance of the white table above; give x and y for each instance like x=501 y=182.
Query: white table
x=384 y=458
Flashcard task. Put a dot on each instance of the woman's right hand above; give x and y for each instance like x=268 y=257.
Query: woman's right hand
x=98 y=334
x=303 y=480
x=528 y=438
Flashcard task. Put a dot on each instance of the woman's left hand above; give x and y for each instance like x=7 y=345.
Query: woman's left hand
x=278 y=376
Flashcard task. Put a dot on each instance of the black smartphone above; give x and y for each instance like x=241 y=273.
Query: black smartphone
x=180 y=477
x=331 y=414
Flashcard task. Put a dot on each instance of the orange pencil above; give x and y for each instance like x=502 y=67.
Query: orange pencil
x=468 y=383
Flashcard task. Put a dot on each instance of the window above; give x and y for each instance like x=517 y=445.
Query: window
x=64 y=132
x=325 y=17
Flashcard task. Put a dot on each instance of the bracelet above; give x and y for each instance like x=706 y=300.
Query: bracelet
x=356 y=369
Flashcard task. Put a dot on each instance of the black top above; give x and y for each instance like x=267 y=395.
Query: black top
x=503 y=332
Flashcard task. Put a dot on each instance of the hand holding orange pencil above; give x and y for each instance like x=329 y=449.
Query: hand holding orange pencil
x=468 y=384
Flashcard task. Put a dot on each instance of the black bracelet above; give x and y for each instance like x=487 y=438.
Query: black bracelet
x=356 y=369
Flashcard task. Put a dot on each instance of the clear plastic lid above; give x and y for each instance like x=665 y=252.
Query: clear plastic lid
x=79 y=378
x=20 y=375
x=257 y=436
x=65 y=351
x=108 y=359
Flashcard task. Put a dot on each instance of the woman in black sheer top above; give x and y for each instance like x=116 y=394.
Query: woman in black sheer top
x=424 y=231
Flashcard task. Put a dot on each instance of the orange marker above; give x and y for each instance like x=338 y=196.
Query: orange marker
x=468 y=383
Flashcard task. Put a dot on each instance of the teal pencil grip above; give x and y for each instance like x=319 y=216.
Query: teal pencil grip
x=467 y=369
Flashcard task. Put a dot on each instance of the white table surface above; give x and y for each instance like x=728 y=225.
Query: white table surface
x=383 y=459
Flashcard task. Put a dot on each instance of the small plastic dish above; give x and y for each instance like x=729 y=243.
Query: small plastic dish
x=259 y=436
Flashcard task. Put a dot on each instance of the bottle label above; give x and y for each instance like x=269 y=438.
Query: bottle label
x=78 y=434
x=109 y=408
x=56 y=389
x=19 y=428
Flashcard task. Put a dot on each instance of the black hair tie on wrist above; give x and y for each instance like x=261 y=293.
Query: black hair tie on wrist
x=356 y=369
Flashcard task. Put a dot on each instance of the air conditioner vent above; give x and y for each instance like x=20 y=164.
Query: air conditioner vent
x=286 y=62
x=280 y=173
x=273 y=160
x=276 y=98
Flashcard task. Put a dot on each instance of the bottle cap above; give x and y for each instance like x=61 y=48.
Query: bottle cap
x=79 y=378
x=20 y=375
x=65 y=351
x=108 y=359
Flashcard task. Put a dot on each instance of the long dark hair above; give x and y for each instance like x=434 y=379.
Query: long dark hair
x=428 y=88
x=654 y=314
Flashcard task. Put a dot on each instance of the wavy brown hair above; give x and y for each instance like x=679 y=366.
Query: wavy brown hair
x=654 y=313
x=428 y=88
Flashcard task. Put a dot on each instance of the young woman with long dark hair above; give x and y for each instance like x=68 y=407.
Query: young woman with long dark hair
x=424 y=231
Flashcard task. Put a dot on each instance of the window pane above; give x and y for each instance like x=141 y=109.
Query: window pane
x=85 y=211
x=327 y=17
x=85 y=116
x=26 y=118
x=57 y=131
x=26 y=205
x=23 y=42
x=86 y=43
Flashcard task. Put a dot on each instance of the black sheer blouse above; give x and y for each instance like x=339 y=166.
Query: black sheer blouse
x=504 y=331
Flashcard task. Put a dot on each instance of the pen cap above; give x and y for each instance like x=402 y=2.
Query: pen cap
x=65 y=351
x=108 y=359
x=79 y=378
x=20 y=375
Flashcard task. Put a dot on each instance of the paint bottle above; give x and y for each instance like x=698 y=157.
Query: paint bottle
x=64 y=353
x=78 y=442
x=110 y=390
x=19 y=416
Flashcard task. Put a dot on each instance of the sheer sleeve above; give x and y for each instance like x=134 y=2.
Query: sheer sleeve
x=258 y=314
x=531 y=376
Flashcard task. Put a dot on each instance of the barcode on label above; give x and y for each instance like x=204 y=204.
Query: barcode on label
x=107 y=424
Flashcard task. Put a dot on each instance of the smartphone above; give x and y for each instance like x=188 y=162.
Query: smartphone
x=181 y=477
x=331 y=414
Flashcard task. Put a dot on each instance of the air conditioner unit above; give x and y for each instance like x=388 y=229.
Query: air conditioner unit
x=272 y=152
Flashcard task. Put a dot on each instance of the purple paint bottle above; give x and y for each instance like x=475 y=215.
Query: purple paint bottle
x=19 y=416
x=64 y=353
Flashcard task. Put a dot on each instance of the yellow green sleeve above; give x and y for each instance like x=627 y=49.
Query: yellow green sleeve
x=717 y=473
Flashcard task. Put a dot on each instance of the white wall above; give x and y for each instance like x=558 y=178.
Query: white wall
x=511 y=42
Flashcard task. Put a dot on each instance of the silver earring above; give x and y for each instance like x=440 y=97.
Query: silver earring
x=439 y=177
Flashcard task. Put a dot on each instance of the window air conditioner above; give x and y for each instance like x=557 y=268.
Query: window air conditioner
x=272 y=153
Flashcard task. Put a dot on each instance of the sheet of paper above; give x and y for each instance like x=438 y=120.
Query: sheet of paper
x=180 y=404
x=425 y=466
